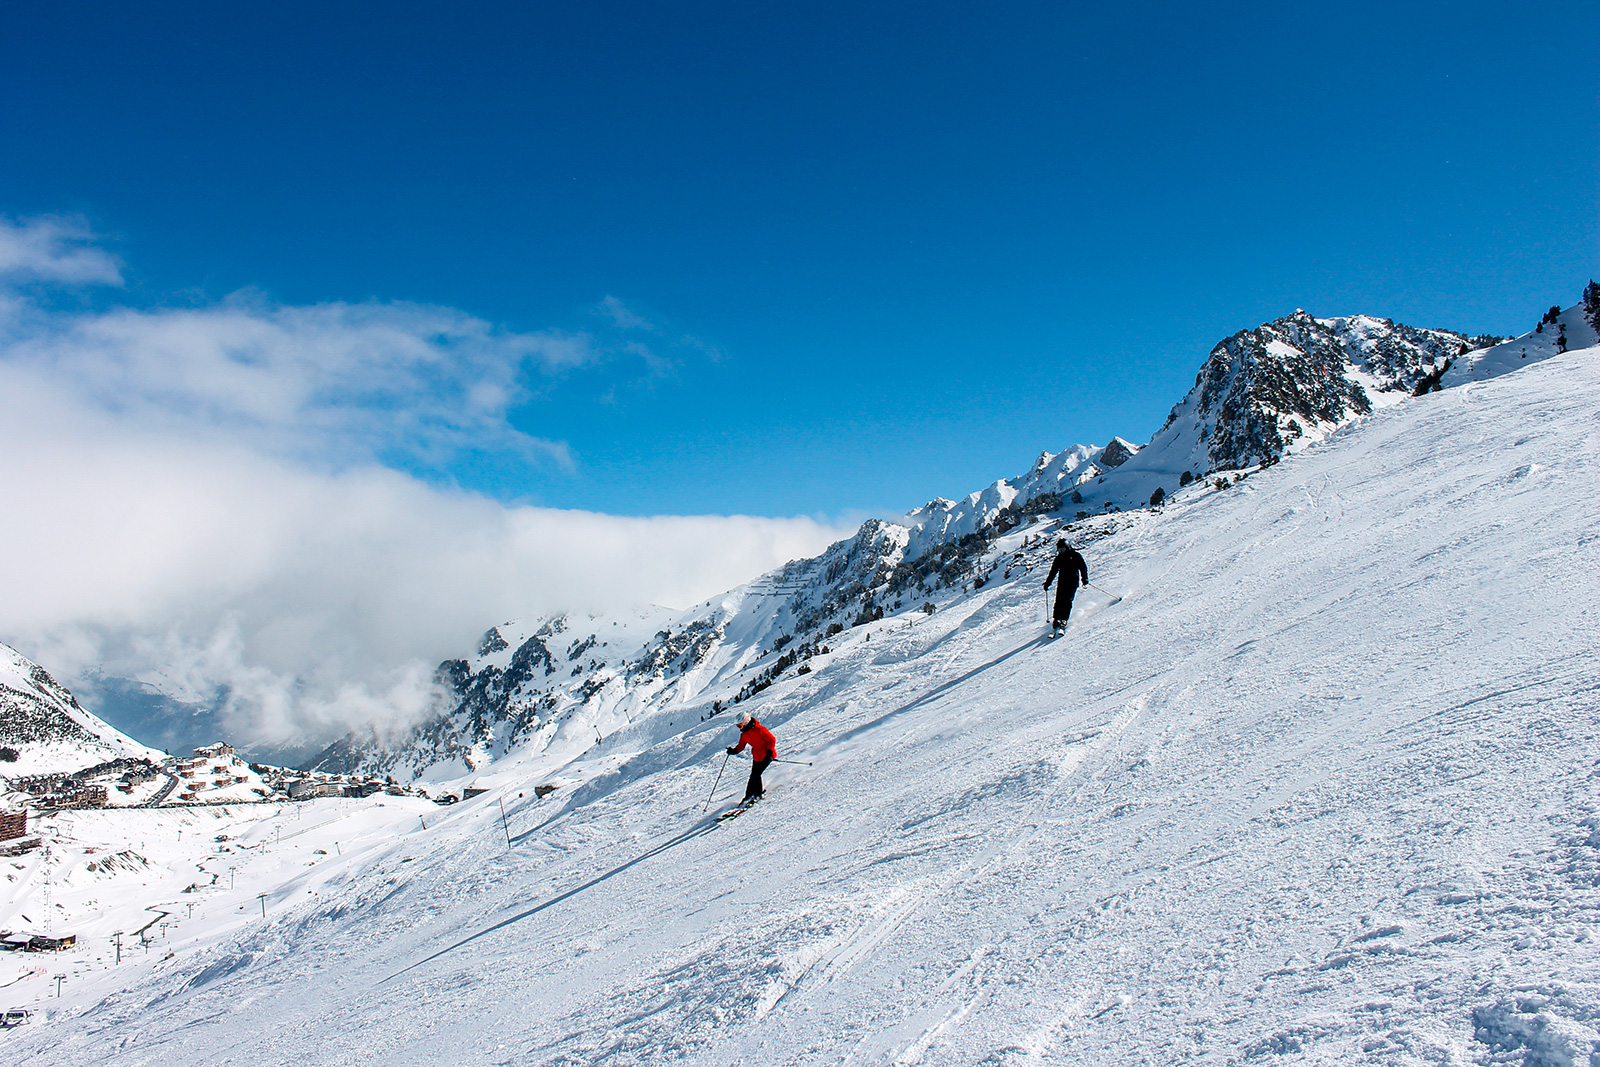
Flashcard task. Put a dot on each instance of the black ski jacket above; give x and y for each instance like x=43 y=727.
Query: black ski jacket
x=1070 y=565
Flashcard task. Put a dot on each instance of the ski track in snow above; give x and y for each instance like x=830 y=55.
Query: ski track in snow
x=1321 y=789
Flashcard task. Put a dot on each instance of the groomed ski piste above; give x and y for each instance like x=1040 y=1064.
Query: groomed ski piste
x=1321 y=789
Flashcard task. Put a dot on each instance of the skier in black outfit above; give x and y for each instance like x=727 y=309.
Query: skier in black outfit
x=1071 y=567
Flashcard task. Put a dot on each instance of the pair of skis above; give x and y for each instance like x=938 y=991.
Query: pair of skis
x=737 y=810
x=743 y=807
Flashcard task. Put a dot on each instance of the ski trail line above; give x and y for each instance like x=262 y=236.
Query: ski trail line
x=931 y=695
x=672 y=842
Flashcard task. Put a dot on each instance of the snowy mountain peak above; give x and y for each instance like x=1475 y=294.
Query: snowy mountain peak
x=1274 y=389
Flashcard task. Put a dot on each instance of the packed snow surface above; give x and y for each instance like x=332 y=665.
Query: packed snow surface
x=1320 y=789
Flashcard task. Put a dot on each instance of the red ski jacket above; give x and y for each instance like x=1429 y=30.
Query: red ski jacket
x=762 y=744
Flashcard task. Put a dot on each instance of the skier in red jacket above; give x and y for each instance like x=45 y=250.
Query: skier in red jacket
x=763 y=746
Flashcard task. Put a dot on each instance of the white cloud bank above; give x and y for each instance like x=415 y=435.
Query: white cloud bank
x=199 y=496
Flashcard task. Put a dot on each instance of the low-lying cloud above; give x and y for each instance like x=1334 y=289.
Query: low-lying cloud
x=210 y=498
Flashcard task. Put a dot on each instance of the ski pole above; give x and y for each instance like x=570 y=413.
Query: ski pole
x=1114 y=598
x=802 y=763
x=716 y=783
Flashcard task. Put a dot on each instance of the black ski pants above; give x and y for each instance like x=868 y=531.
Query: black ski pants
x=754 y=788
x=1064 y=595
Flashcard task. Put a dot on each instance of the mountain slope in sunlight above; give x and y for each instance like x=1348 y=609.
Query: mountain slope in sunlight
x=1320 y=789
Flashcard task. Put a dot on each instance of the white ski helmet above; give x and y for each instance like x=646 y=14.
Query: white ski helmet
x=744 y=717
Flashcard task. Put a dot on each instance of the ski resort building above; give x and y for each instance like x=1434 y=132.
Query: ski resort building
x=39 y=784
x=37 y=942
x=89 y=796
x=308 y=788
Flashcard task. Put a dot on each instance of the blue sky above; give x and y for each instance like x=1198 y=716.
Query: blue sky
x=827 y=258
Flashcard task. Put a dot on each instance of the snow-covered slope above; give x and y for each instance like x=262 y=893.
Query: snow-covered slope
x=1576 y=327
x=45 y=727
x=1321 y=789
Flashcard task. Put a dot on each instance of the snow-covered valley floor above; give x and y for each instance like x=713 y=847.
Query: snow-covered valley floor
x=1321 y=789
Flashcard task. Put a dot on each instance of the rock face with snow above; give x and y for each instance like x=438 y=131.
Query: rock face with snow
x=1116 y=453
x=1262 y=390
x=45 y=727
x=565 y=681
x=519 y=688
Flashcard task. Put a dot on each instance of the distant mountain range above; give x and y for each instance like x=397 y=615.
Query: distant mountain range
x=561 y=683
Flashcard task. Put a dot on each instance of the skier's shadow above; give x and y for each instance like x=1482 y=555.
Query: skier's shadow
x=672 y=842
x=936 y=692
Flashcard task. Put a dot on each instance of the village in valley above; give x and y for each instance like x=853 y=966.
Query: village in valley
x=63 y=834
x=214 y=774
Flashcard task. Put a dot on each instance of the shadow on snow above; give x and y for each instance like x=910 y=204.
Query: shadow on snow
x=672 y=842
